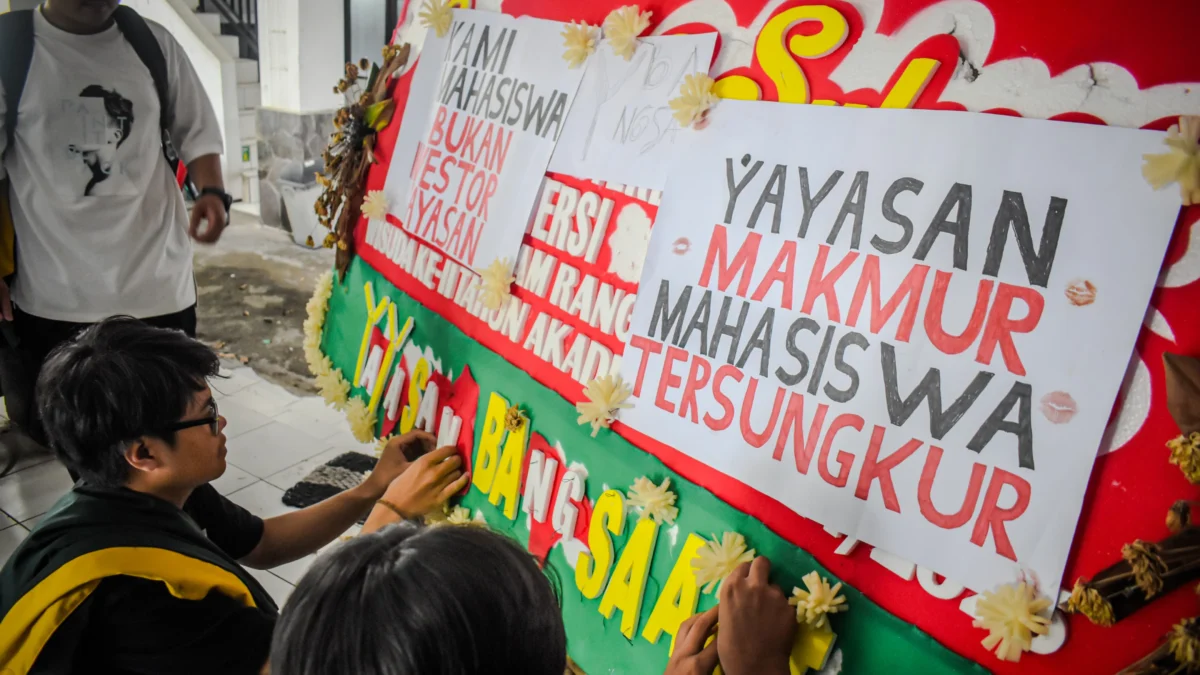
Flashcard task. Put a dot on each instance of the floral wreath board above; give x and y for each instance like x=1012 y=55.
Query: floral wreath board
x=883 y=339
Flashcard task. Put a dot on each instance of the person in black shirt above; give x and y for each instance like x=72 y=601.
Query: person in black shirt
x=138 y=570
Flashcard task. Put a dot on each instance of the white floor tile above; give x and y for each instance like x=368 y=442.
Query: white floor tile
x=232 y=480
x=240 y=420
x=263 y=397
x=32 y=522
x=312 y=416
x=6 y=522
x=277 y=587
x=296 y=473
x=262 y=499
x=10 y=539
x=234 y=380
x=33 y=491
x=345 y=441
x=273 y=448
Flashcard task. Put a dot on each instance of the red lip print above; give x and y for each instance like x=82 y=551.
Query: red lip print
x=1081 y=292
x=1058 y=407
x=681 y=246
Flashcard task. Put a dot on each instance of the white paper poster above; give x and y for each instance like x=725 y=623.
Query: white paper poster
x=468 y=164
x=620 y=128
x=909 y=326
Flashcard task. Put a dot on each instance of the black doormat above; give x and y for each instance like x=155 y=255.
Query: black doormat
x=337 y=475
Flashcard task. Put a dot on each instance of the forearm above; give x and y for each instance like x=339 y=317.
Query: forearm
x=206 y=172
x=297 y=534
x=381 y=516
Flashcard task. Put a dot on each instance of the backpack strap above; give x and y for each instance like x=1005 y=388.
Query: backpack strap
x=16 y=54
x=137 y=32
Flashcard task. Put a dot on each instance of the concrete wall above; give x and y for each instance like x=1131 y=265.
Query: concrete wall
x=301 y=54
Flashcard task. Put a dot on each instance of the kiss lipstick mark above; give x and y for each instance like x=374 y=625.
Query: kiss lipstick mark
x=1081 y=292
x=1058 y=407
x=681 y=246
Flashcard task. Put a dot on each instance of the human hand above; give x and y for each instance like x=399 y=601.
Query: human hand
x=212 y=209
x=6 y=313
x=428 y=482
x=691 y=656
x=399 y=453
x=758 y=625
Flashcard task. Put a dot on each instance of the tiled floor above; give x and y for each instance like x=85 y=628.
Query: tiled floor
x=274 y=440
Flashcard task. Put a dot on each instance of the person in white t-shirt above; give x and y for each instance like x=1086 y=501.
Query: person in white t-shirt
x=101 y=224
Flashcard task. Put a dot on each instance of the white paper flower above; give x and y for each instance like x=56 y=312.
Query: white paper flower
x=361 y=419
x=605 y=396
x=819 y=600
x=1011 y=617
x=623 y=26
x=654 y=501
x=718 y=559
x=695 y=98
x=496 y=283
x=375 y=206
x=334 y=388
x=1181 y=163
x=580 y=40
x=437 y=14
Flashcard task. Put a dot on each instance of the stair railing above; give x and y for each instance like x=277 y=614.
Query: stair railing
x=240 y=18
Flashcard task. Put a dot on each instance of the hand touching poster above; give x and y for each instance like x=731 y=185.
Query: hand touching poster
x=908 y=326
x=468 y=167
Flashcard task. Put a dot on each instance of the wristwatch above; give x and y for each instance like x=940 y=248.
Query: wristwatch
x=220 y=194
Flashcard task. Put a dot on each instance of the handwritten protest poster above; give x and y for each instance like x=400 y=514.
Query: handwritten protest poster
x=620 y=127
x=468 y=167
x=909 y=326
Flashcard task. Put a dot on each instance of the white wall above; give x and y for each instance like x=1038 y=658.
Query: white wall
x=216 y=69
x=301 y=54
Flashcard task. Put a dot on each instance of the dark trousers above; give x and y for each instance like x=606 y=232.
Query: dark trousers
x=37 y=338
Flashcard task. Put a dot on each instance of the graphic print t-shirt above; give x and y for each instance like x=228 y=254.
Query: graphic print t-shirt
x=101 y=225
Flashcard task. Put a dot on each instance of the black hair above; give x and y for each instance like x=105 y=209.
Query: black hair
x=119 y=380
x=119 y=108
x=415 y=600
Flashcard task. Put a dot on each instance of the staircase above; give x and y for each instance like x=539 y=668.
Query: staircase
x=235 y=25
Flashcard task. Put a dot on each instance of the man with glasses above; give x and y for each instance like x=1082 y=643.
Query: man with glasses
x=139 y=568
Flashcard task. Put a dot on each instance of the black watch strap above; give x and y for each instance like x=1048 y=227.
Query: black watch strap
x=218 y=192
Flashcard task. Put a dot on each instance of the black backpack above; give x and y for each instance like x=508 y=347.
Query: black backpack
x=16 y=55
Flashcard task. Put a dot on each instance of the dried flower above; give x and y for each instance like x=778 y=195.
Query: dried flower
x=1148 y=566
x=1181 y=163
x=1179 y=515
x=496 y=281
x=813 y=605
x=330 y=240
x=436 y=14
x=1088 y=601
x=605 y=396
x=1184 y=643
x=1011 y=617
x=375 y=206
x=1185 y=454
x=514 y=419
x=623 y=26
x=695 y=98
x=718 y=559
x=654 y=501
x=308 y=241
x=580 y=40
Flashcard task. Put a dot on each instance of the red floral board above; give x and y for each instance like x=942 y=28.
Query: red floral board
x=1095 y=62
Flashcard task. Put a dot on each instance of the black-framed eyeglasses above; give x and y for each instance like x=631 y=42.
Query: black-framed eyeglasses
x=213 y=421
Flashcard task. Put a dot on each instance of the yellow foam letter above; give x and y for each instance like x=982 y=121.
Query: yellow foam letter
x=416 y=388
x=396 y=340
x=628 y=584
x=679 y=595
x=912 y=82
x=591 y=570
x=507 y=484
x=811 y=648
x=374 y=314
x=487 y=457
x=790 y=83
